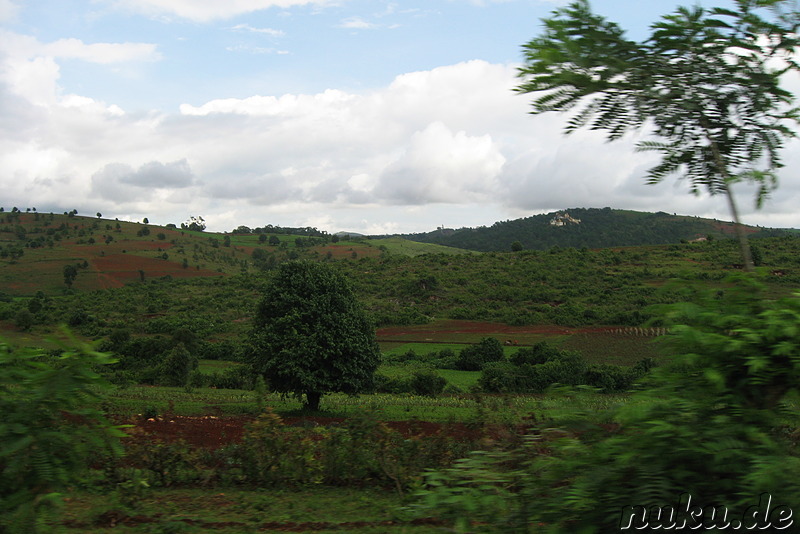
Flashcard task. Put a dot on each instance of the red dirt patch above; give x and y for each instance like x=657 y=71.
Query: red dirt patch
x=476 y=327
x=213 y=432
x=346 y=251
x=125 y=268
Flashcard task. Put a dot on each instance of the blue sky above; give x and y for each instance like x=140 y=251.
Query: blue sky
x=367 y=116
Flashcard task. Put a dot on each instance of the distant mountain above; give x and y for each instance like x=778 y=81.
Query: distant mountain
x=586 y=227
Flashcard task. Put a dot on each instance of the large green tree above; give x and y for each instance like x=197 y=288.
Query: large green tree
x=311 y=336
x=706 y=83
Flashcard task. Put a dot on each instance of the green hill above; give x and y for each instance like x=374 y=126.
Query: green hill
x=35 y=248
x=585 y=227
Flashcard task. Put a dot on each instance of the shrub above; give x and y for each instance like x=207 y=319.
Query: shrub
x=427 y=383
x=50 y=428
x=533 y=370
x=474 y=357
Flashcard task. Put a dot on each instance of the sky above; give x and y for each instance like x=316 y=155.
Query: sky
x=375 y=117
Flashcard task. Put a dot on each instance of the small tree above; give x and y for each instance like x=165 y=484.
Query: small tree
x=70 y=273
x=310 y=335
x=706 y=81
x=177 y=366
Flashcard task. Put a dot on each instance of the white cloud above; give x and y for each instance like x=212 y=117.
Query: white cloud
x=120 y=182
x=357 y=23
x=441 y=166
x=267 y=31
x=450 y=146
x=208 y=10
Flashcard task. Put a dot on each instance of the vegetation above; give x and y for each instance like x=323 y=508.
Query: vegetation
x=713 y=424
x=707 y=83
x=598 y=227
x=310 y=336
x=51 y=429
x=555 y=337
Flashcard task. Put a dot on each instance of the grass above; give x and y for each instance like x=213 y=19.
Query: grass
x=229 y=511
x=404 y=247
x=613 y=348
x=514 y=408
x=460 y=379
x=210 y=366
x=397 y=349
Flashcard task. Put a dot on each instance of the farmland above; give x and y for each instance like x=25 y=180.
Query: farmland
x=141 y=291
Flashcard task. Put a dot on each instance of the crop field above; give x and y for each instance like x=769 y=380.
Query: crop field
x=619 y=346
x=151 y=295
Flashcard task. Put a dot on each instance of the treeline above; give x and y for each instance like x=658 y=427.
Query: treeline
x=598 y=228
x=307 y=231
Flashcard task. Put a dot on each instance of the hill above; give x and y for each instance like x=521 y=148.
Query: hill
x=585 y=227
x=35 y=248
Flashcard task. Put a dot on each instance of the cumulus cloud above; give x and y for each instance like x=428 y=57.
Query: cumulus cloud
x=450 y=146
x=120 y=182
x=208 y=10
x=439 y=165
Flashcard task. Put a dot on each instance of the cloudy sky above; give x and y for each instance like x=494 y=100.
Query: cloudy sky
x=361 y=115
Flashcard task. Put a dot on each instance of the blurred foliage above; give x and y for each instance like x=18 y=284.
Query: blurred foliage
x=713 y=424
x=51 y=428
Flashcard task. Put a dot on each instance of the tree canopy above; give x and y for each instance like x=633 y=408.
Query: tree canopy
x=311 y=336
x=706 y=82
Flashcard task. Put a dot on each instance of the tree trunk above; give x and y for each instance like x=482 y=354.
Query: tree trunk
x=312 y=401
x=744 y=244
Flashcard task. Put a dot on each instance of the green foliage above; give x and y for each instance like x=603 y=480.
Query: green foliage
x=426 y=382
x=50 y=428
x=712 y=424
x=534 y=369
x=720 y=115
x=361 y=451
x=599 y=227
x=177 y=366
x=310 y=335
x=70 y=273
x=475 y=357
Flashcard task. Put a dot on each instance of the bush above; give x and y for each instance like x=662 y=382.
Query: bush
x=427 y=383
x=474 y=357
x=50 y=428
x=238 y=377
x=175 y=369
x=533 y=370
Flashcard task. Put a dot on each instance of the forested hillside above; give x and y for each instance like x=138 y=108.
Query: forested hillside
x=597 y=228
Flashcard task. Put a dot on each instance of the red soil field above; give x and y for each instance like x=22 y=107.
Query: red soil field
x=213 y=432
x=125 y=268
x=476 y=327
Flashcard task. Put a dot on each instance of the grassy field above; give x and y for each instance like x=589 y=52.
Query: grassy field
x=238 y=511
x=404 y=247
x=135 y=400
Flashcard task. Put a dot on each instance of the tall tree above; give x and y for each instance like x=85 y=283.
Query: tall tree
x=705 y=82
x=310 y=335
